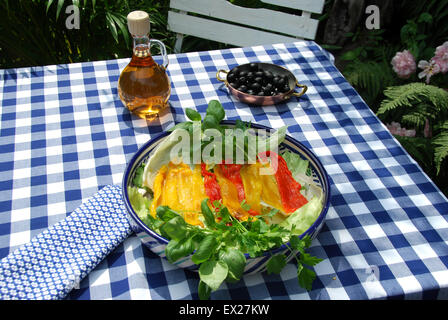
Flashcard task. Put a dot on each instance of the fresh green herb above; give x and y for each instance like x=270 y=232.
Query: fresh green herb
x=219 y=248
x=235 y=260
x=210 y=122
x=165 y=213
x=205 y=249
x=193 y=114
x=209 y=218
x=245 y=205
x=305 y=275
x=204 y=290
x=216 y=110
x=276 y=263
x=178 y=249
x=239 y=124
x=175 y=228
x=188 y=125
x=215 y=113
x=213 y=273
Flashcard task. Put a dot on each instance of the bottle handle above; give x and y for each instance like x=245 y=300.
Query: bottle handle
x=162 y=51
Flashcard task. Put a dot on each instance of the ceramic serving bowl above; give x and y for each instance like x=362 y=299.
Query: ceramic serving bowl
x=254 y=99
x=157 y=243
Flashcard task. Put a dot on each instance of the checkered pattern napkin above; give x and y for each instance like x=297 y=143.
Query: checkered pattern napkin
x=65 y=135
x=56 y=260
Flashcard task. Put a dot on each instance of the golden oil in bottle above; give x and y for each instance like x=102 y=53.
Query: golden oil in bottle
x=144 y=86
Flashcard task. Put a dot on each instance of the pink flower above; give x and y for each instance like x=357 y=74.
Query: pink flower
x=429 y=69
x=403 y=64
x=441 y=57
x=396 y=129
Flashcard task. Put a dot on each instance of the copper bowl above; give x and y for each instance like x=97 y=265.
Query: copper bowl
x=264 y=100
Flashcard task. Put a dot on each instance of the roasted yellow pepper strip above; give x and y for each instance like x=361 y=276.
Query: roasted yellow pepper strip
x=159 y=182
x=270 y=193
x=190 y=192
x=229 y=195
x=180 y=188
x=250 y=174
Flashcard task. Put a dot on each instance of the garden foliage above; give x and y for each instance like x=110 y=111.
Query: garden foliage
x=383 y=68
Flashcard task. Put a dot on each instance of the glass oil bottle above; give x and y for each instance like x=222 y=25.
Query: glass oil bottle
x=144 y=86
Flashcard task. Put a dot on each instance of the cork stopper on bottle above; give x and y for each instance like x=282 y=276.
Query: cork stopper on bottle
x=138 y=23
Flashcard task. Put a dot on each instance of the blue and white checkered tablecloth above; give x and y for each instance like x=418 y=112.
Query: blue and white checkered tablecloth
x=65 y=135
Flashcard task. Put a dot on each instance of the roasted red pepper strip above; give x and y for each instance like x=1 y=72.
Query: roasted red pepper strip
x=253 y=212
x=288 y=187
x=211 y=185
x=232 y=172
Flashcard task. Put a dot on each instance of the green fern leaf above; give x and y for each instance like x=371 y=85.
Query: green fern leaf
x=401 y=96
x=438 y=97
x=414 y=95
x=440 y=143
x=418 y=115
x=414 y=119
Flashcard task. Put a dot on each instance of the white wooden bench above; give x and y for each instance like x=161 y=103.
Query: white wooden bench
x=241 y=26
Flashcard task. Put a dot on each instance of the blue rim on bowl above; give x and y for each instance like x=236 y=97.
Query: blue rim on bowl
x=143 y=231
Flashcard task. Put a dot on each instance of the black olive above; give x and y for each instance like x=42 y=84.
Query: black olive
x=250 y=92
x=259 y=74
x=268 y=87
x=256 y=86
x=233 y=84
x=242 y=74
x=242 y=80
x=268 y=75
x=281 y=82
x=231 y=77
x=259 y=80
x=235 y=71
x=261 y=93
x=253 y=67
x=275 y=81
x=242 y=88
x=250 y=75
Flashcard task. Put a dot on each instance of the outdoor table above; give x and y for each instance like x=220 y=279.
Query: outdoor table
x=65 y=135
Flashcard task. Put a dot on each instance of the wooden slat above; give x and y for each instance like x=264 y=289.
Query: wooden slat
x=222 y=32
x=306 y=14
x=293 y=25
x=315 y=6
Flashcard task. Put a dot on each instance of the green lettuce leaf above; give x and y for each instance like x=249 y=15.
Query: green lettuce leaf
x=295 y=163
x=141 y=205
x=301 y=219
